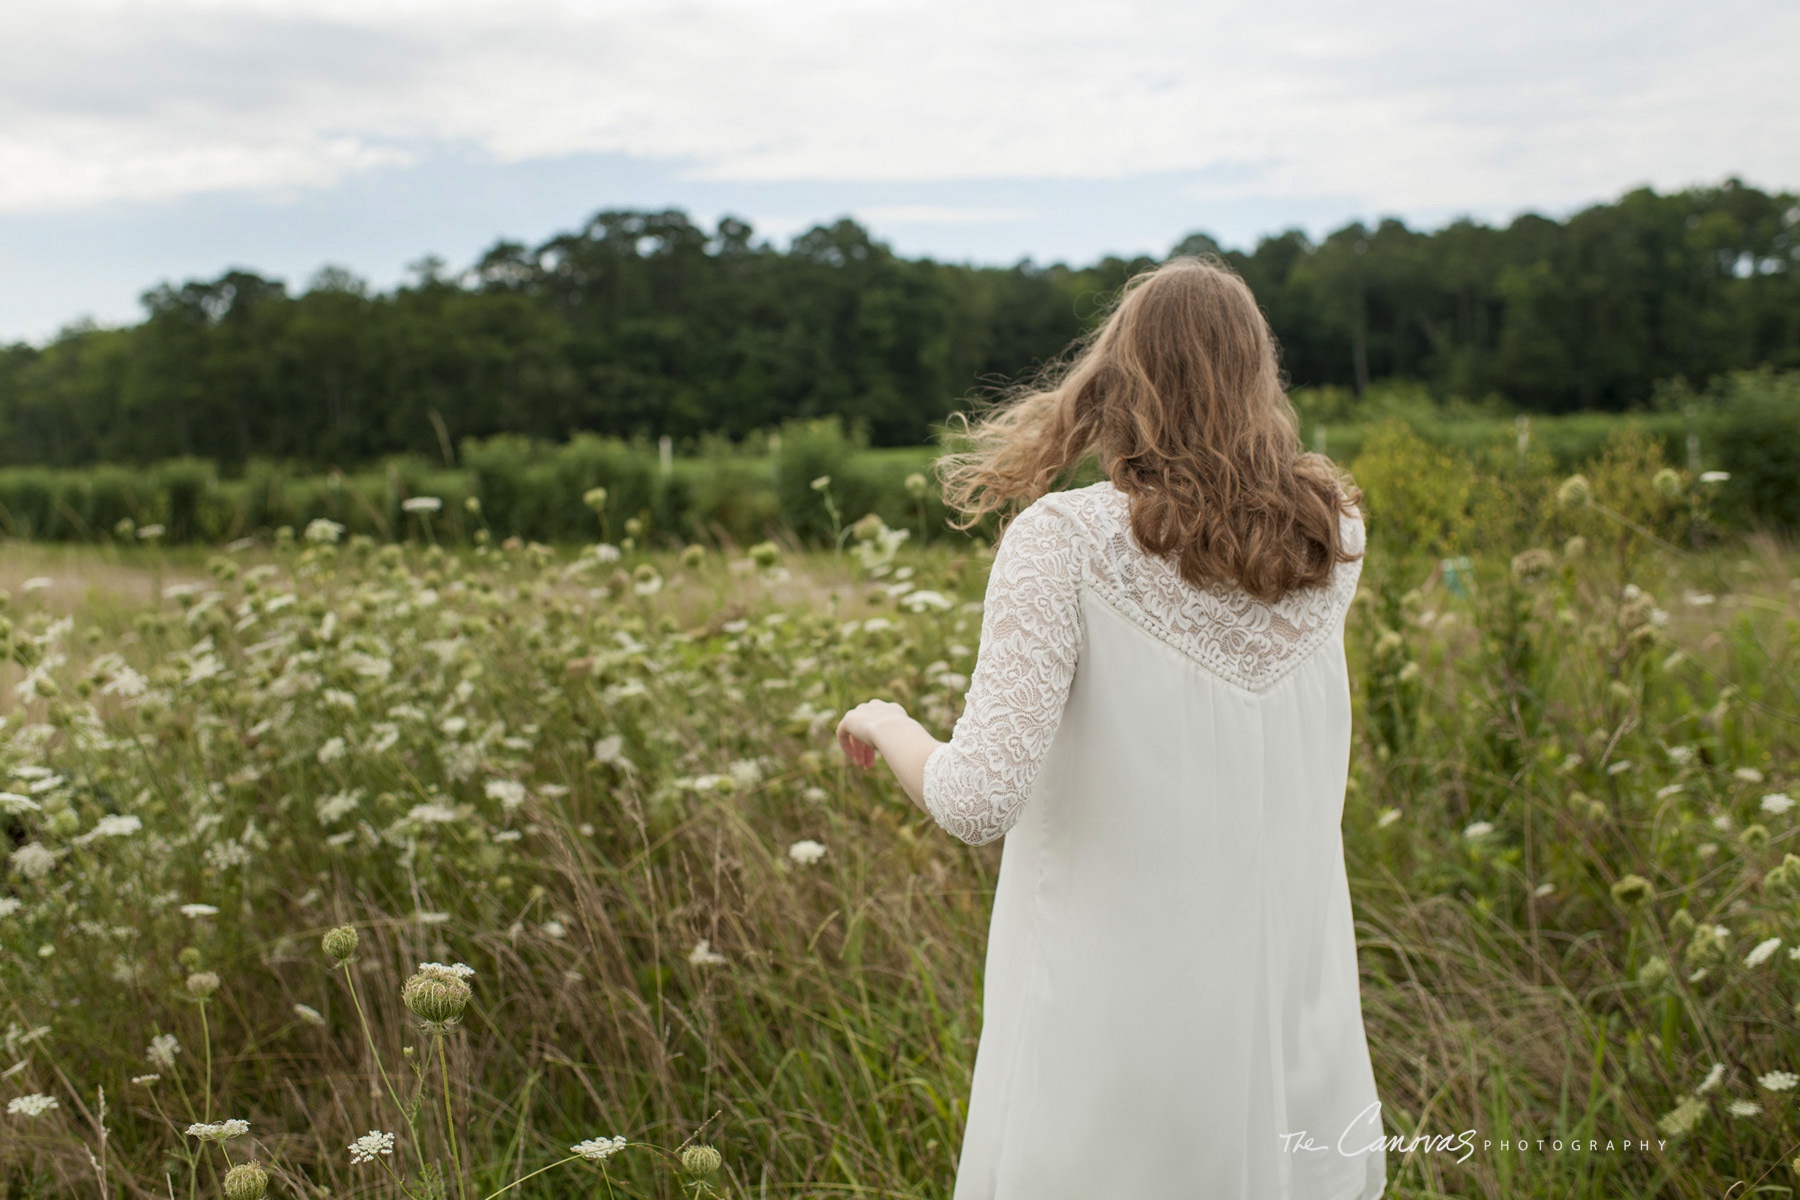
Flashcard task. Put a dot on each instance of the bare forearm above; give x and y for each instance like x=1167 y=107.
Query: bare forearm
x=881 y=727
x=905 y=744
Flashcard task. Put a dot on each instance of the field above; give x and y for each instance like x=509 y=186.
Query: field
x=601 y=777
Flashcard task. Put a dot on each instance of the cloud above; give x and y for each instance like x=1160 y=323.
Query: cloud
x=1405 y=105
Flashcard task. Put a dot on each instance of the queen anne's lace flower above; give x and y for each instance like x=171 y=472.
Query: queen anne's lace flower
x=598 y=1149
x=162 y=1051
x=1779 y=1081
x=370 y=1146
x=806 y=853
x=218 y=1131
x=1762 y=952
x=34 y=1105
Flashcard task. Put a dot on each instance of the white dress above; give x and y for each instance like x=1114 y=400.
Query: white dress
x=1170 y=1005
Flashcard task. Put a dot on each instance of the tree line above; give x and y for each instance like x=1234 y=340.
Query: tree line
x=644 y=324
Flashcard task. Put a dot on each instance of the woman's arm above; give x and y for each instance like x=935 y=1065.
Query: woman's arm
x=975 y=785
x=881 y=727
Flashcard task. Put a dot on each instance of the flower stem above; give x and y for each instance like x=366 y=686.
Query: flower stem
x=462 y=1186
x=523 y=1178
x=206 y=1044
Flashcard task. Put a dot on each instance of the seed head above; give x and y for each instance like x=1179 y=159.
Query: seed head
x=340 y=943
x=700 y=1161
x=1667 y=483
x=202 y=984
x=594 y=498
x=1574 y=492
x=246 y=1181
x=435 y=998
x=1631 y=890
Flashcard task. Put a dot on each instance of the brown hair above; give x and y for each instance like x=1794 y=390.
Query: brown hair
x=1179 y=395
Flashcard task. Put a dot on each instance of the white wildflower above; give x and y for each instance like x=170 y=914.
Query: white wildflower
x=610 y=749
x=162 y=1051
x=926 y=601
x=422 y=504
x=606 y=552
x=34 y=1105
x=309 y=1014
x=745 y=773
x=1387 y=818
x=37 y=583
x=598 y=1149
x=1744 y=1108
x=331 y=751
x=321 y=531
x=509 y=792
x=1682 y=1119
x=338 y=805
x=145 y=1080
x=199 y=910
x=807 y=852
x=1479 y=829
x=1779 y=1081
x=704 y=955
x=33 y=860
x=1714 y=476
x=111 y=825
x=10 y=905
x=1748 y=775
x=370 y=1146
x=1762 y=952
x=1712 y=1080
x=431 y=814
x=125 y=683
x=1776 y=803
x=13 y=804
x=218 y=1131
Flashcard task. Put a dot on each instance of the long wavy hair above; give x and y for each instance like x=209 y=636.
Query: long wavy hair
x=1179 y=395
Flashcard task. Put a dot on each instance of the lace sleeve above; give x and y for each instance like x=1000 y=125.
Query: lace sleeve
x=976 y=784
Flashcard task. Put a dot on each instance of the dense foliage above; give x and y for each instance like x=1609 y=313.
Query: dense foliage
x=603 y=781
x=642 y=323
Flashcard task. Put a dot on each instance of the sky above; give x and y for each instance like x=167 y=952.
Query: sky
x=152 y=140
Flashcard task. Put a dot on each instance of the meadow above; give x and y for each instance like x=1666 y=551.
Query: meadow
x=624 y=916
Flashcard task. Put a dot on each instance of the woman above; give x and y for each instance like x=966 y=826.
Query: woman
x=1159 y=722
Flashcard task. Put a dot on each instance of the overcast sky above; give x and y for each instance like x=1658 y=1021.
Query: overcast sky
x=143 y=140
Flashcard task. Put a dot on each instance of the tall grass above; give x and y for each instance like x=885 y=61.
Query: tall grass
x=594 y=781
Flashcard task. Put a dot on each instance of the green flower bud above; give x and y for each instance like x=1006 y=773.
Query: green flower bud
x=1632 y=890
x=246 y=1181
x=700 y=1161
x=435 y=998
x=340 y=943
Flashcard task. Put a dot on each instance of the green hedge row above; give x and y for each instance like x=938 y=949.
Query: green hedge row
x=1748 y=425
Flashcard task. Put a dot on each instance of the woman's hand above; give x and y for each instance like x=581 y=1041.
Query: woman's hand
x=882 y=728
x=856 y=733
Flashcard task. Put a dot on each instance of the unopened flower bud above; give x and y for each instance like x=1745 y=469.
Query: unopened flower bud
x=340 y=943
x=202 y=984
x=700 y=1161
x=246 y=1181
x=435 y=998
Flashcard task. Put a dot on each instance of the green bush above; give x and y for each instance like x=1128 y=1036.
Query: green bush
x=1754 y=433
